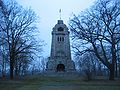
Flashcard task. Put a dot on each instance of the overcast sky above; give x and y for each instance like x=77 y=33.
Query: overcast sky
x=48 y=11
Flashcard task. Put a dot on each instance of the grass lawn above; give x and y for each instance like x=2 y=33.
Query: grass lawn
x=58 y=83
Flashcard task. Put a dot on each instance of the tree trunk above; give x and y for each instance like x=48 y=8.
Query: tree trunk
x=16 y=69
x=11 y=69
x=111 y=72
x=3 y=68
x=119 y=71
x=114 y=60
x=116 y=69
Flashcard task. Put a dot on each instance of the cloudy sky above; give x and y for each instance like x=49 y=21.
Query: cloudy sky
x=48 y=12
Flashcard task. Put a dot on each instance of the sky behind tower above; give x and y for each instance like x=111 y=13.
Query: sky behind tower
x=48 y=12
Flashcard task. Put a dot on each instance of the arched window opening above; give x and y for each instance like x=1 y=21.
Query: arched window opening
x=60 y=67
x=60 y=29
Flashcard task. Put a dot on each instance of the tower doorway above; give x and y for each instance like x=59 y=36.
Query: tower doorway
x=60 y=67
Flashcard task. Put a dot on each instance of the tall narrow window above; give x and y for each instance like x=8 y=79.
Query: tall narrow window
x=58 y=39
x=63 y=39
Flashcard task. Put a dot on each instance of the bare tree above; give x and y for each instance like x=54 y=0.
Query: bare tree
x=99 y=28
x=18 y=25
x=87 y=64
x=3 y=61
x=43 y=63
x=3 y=46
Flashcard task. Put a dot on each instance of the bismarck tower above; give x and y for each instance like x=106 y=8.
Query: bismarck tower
x=60 y=57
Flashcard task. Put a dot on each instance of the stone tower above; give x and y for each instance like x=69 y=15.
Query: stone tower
x=60 y=57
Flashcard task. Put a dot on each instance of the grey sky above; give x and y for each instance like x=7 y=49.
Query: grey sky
x=48 y=11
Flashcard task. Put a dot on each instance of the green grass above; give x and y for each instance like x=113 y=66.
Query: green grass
x=58 y=83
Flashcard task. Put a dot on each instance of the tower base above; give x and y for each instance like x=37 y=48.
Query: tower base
x=60 y=66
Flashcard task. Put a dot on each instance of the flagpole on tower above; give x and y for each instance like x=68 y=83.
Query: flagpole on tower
x=60 y=13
